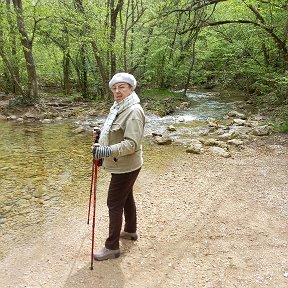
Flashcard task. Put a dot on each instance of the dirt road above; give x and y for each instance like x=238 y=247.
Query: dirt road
x=204 y=221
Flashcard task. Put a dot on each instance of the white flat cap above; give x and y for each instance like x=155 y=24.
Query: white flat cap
x=123 y=77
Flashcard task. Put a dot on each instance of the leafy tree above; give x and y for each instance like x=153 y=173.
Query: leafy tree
x=78 y=45
x=32 y=92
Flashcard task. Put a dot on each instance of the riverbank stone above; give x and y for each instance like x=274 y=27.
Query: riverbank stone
x=261 y=130
x=239 y=121
x=235 y=114
x=171 y=128
x=164 y=140
x=11 y=117
x=229 y=135
x=235 y=142
x=79 y=130
x=219 y=151
x=214 y=142
x=195 y=147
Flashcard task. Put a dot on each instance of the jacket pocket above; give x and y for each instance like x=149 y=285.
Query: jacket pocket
x=116 y=134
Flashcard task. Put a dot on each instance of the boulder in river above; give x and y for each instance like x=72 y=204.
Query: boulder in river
x=181 y=119
x=171 y=128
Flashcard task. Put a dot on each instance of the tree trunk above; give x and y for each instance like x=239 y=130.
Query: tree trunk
x=15 y=69
x=33 y=90
x=134 y=11
x=66 y=73
x=83 y=79
x=101 y=69
x=11 y=71
x=113 y=19
x=66 y=63
x=192 y=63
x=84 y=73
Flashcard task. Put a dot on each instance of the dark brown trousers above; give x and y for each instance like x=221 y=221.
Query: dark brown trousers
x=120 y=197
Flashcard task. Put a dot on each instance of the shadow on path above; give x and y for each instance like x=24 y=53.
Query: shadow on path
x=105 y=274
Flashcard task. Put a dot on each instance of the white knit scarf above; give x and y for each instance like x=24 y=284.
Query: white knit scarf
x=116 y=109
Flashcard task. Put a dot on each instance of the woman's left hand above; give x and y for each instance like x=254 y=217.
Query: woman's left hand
x=100 y=152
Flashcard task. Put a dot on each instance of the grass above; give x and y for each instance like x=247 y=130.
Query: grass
x=282 y=128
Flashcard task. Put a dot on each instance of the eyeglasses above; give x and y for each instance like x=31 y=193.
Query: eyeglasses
x=120 y=88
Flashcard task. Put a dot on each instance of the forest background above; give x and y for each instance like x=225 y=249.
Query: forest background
x=73 y=47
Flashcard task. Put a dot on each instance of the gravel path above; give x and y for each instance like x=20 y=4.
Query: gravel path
x=204 y=221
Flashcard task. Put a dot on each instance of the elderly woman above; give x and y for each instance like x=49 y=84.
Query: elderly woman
x=121 y=151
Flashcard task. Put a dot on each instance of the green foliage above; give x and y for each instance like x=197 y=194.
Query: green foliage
x=275 y=83
x=282 y=128
x=155 y=41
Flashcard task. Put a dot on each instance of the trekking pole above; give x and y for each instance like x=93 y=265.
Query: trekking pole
x=93 y=187
x=95 y=164
x=96 y=134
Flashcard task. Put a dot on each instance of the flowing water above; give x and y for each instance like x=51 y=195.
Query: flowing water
x=192 y=121
x=46 y=169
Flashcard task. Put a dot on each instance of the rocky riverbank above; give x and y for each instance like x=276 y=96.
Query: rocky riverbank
x=218 y=136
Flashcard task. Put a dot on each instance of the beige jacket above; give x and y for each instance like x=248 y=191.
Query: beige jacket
x=125 y=139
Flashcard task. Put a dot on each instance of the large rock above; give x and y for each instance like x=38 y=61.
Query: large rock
x=11 y=117
x=171 y=128
x=235 y=114
x=219 y=151
x=229 y=135
x=235 y=142
x=252 y=123
x=184 y=105
x=212 y=123
x=239 y=121
x=29 y=115
x=164 y=140
x=243 y=130
x=79 y=130
x=214 y=142
x=261 y=130
x=46 y=121
x=195 y=147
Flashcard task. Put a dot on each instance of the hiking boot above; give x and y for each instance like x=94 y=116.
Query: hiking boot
x=129 y=236
x=105 y=253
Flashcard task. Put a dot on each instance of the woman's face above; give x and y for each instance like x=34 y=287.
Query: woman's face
x=121 y=90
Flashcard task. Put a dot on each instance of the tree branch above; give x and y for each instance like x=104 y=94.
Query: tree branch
x=281 y=44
